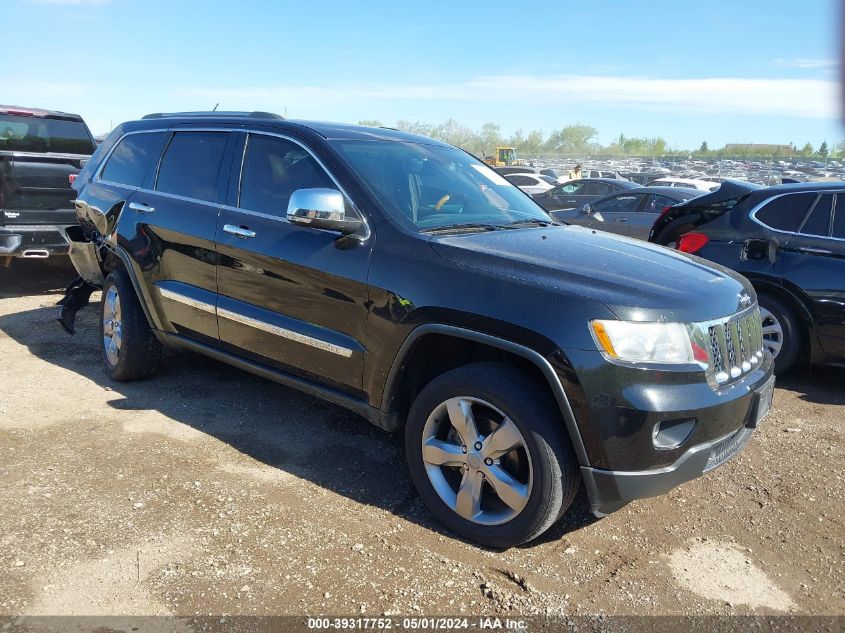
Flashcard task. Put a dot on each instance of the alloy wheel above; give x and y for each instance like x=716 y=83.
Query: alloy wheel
x=772 y=332
x=477 y=460
x=112 y=330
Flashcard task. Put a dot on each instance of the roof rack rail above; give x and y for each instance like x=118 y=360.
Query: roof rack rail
x=215 y=113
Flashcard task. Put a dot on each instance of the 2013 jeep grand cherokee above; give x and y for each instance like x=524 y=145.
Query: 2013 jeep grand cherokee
x=404 y=279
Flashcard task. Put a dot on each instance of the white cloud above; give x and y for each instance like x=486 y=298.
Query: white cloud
x=71 y=3
x=806 y=63
x=809 y=98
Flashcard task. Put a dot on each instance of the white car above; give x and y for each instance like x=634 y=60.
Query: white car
x=531 y=183
x=687 y=183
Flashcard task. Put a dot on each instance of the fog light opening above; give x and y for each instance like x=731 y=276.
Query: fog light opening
x=670 y=434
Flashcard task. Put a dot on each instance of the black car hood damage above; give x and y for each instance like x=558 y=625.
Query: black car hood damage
x=670 y=286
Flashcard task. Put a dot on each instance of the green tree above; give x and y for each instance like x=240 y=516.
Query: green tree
x=571 y=139
x=703 y=149
x=824 y=152
x=371 y=123
x=807 y=150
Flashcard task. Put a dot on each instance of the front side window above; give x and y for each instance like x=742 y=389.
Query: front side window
x=570 y=189
x=624 y=203
x=273 y=169
x=191 y=165
x=133 y=158
x=432 y=186
x=785 y=213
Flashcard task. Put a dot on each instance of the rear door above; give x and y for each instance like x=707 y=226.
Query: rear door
x=289 y=296
x=814 y=264
x=174 y=224
x=614 y=214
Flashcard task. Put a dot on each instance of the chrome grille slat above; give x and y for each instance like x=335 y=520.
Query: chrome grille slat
x=736 y=345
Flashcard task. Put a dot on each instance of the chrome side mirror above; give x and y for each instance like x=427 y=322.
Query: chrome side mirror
x=321 y=209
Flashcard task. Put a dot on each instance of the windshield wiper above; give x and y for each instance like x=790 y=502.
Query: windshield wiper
x=463 y=228
x=531 y=222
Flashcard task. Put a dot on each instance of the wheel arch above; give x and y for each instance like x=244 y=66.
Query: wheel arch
x=118 y=259
x=408 y=374
x=764 y=285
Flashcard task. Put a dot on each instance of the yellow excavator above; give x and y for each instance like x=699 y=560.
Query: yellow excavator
x=504 y=156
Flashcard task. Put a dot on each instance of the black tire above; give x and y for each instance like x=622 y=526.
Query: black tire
x=140 y=351
x=787 y=319
x=556 y=475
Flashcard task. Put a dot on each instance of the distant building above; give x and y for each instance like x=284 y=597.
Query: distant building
x=762 y=149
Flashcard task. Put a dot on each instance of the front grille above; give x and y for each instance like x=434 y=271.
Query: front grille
x=736 y=345
x=727 y=448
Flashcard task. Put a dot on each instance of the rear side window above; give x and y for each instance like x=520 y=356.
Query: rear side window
x=37 y=134
x=597 y=189
x=191 y=164
x=273 y=169
x=839 y=218
x=785 y=213
x=818 y=222
x=132 y=159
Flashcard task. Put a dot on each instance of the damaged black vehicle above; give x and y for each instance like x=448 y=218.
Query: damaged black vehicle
x=403 y=279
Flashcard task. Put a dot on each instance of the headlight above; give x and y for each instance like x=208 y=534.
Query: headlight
x=646 y=342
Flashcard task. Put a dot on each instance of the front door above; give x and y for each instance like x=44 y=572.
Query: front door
x=290 y=296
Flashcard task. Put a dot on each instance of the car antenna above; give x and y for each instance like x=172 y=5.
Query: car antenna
x=215 y=107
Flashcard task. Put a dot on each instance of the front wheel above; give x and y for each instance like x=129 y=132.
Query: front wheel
x=487 y=453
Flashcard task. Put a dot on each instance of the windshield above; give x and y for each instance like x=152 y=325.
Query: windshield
x=36 y=134
x=435 y=187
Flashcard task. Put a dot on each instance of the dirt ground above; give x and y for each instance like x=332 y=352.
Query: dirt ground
x=209 y=491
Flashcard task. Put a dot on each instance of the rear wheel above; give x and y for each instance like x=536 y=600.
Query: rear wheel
x=781 y=332
x=486 y=453
x=130 y=349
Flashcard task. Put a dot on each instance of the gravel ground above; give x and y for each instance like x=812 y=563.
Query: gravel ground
x=209 y=491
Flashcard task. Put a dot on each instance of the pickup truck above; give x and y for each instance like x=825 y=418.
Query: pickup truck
x=40 y=154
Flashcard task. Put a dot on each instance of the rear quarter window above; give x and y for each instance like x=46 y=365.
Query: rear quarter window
x=839 y=218
x=818 y=222
x=133 y=158
x=784 y=213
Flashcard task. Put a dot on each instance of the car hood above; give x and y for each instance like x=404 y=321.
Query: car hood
x=634 y=279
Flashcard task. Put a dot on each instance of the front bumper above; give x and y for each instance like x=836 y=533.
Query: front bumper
x=33 y=241
x=610 y=490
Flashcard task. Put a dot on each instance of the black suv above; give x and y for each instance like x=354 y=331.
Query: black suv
x=404 y=279
x=41 y=151
x=789 y=241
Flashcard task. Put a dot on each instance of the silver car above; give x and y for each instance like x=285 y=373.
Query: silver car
x=631 y=212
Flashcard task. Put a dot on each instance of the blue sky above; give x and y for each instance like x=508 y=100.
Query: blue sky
x=718 y=70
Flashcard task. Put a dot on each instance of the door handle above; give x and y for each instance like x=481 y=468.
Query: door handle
x=813 y=251
x=621 y=220
x=239 y=231
x=141 y=207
